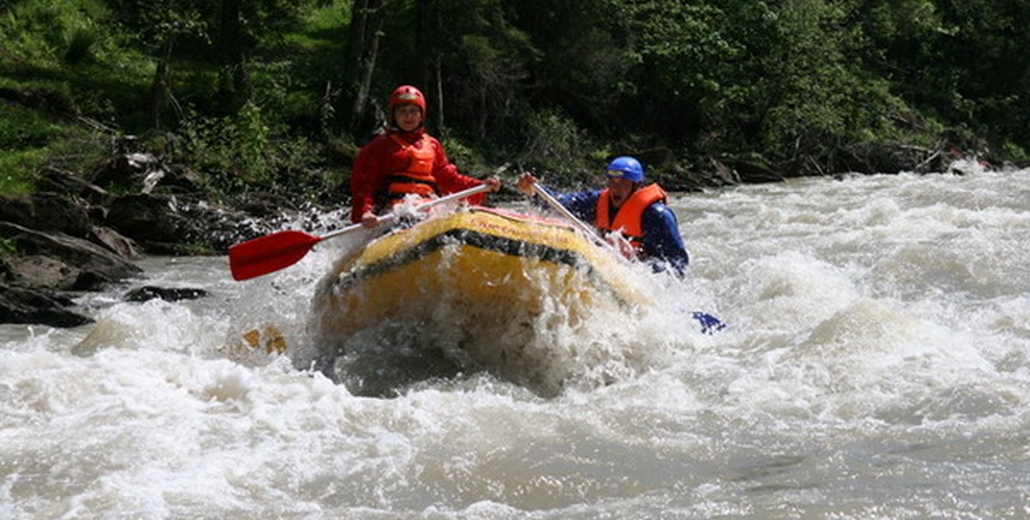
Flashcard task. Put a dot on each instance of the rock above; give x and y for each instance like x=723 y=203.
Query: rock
x=143 y=172
x=177 y=225
x=41 y=272
x=753 y=168
x=267 y=205
x=724 y=173
x=150 y=292
x=47 y=211
x=74 y=235
x=113 y=240
x=61 y=181
x=148 y=219
x=19 y=305
x=128 y=172
x=92 y=264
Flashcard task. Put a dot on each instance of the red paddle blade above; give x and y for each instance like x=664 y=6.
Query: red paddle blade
x=269 y=253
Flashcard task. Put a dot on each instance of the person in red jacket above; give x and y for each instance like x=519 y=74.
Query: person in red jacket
x=405 y=160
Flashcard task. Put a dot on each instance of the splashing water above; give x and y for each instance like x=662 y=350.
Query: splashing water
x=875 y=366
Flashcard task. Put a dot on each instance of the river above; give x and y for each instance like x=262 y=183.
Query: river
x=876 y=365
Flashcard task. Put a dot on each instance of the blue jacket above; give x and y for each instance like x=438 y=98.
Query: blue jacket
x=662 y=244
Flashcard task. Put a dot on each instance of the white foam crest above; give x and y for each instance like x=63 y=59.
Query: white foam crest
x=144 y=432
x=790 y=291
x=154 y=324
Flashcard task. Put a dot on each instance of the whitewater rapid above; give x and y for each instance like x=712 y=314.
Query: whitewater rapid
x=875 y=366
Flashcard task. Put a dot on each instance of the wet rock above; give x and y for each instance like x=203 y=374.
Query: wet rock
x=62 y=181
x=47 y=211
x=40 y=272
x=114 y=241
x=176 y=225
x=148 y=219
x=87 y=262
x=20 y=305
x=75 y=234
x=266 y=205
x=142 y=173
x=150 y=292
x=122 y=246
x=129 y=172
x=753 y=169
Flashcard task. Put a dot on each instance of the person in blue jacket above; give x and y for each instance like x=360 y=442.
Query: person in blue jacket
x=630 y=206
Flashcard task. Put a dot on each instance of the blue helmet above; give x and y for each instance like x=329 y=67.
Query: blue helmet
x=625 y=167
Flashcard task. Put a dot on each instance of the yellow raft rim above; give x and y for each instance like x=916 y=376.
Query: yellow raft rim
x=485 y=265
x=487 y=237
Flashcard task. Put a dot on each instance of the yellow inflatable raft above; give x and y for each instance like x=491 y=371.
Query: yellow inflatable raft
x=480 y=284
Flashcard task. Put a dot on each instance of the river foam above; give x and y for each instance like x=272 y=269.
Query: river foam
x=876 y=364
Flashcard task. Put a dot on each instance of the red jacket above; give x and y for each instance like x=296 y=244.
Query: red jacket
x=383 y=157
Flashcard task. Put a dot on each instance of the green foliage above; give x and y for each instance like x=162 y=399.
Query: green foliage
x=238 y=153
x=233 y=151
x=24 y=137
x=21 y=128
x=462 y=155
x=17 y=170
x=584 y=54
x=490 y=54
x=1014 y=152
x=555 y=144
x=560 y=85
x=7 y=247
x=48 y=31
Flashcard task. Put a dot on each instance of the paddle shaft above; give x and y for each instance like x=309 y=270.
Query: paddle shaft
x=273 y=252
x=389 y=217
x=583 y=226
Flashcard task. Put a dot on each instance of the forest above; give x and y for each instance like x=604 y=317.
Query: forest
x=278 y=95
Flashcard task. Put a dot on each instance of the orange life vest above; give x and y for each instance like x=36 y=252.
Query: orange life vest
x=418 y=178
x=629 y=217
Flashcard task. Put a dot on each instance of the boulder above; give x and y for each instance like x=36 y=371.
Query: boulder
x=148 y=219
x=90 y=265
x=47 y=211
x=62 y=181
x=150 y=292
x=113 y=240
x=20 y=305
x=143 y=172
x=41 y=272
x=178 y=225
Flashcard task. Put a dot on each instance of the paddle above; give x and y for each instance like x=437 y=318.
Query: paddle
x=270 y=253
x=586 y=229
x=709 y=324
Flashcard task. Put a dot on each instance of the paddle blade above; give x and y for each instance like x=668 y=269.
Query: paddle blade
x=269 y=253
x=709 y=324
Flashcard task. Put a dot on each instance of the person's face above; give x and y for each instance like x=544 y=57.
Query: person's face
x=620 y=190
x=408 y=117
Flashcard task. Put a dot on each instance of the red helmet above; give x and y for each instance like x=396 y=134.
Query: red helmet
x=405 y=94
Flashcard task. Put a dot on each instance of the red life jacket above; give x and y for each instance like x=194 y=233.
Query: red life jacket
x=418 y=177
x=629 y=217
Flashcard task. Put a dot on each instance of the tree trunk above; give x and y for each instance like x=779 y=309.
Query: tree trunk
x=234 y=77
x=362 y=50
x=159 y=89
x=429 y=65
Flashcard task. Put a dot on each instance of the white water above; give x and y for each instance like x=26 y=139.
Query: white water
x=876 y=366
